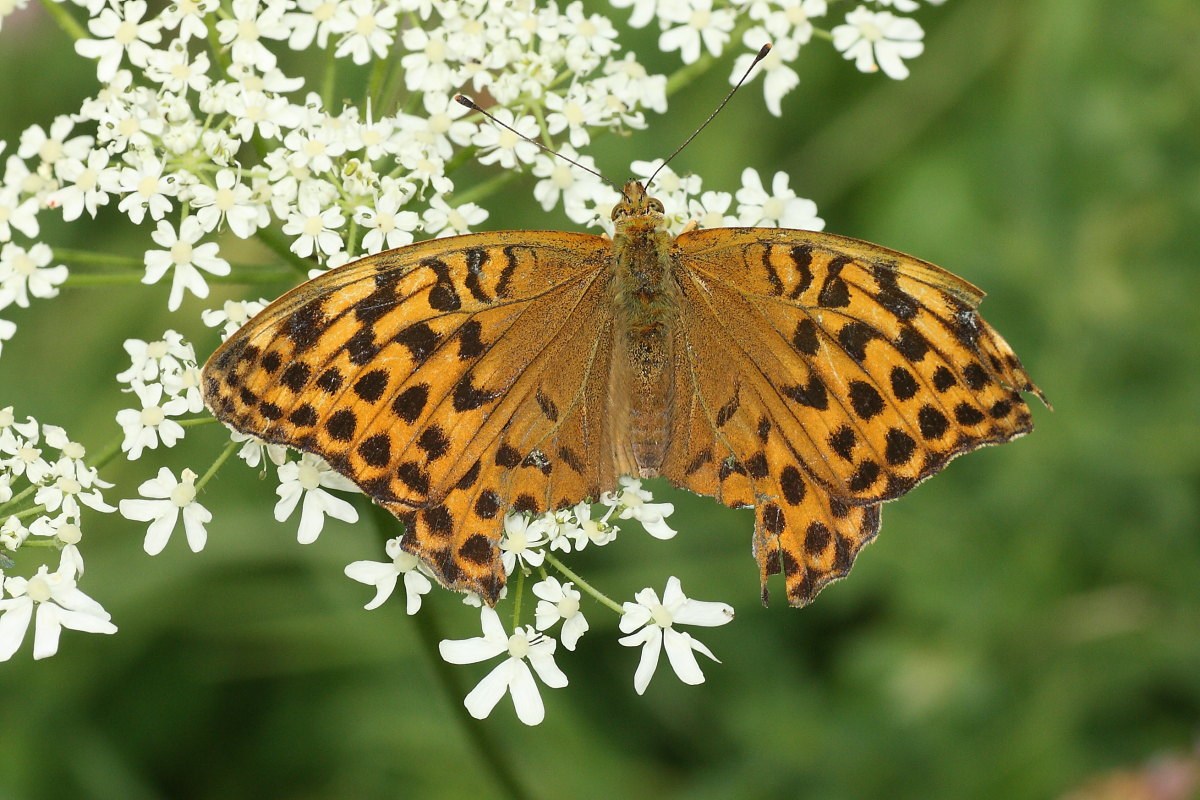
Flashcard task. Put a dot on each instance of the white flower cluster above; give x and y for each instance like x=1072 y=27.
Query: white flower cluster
x=526 y=546
x=870 y=35
x=45 y=483
x=201 y=135
x=193 y=142
x=649 y=622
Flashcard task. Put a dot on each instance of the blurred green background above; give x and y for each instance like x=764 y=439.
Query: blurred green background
x=1028 y=620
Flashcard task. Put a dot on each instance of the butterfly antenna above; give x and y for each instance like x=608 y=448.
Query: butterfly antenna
x=462 y=99
x=766 y=48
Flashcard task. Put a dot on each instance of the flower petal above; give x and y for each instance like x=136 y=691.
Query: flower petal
x=483 y=698
x=13 y=624
x=526 y=698
x=683 y=660
x=469 y=651
x=705 y=613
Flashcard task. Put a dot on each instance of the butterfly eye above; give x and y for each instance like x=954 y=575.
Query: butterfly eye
x=656 y=205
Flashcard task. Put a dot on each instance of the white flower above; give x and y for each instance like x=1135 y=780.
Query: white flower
x=709 y=210
x=574 y=111
x=366 y=29
x=560 y=601
x=152 y=360
x=59 y=605
x=232 y=315
x=562 y=179
x=512 y=675
x=176 y=70
x=170 y=498
x=633 y=503
x=523 y=539
x=145 y=188
x=54 y=146
x=425 y=67
x=146 y=426
x=73 y=484
x=232 y=201
x=389 y=226
x=778 y=77
x=583 y=529
x=27 y=272
x=499 y=144
x=185 y=257
x=383 y=575
x=696 y=23
x=313 y=22
x=85 y=186
x=17 y=213
x=255 y=451
x=793 y=21
x=449 y=221
x=651 y=627
x=879 y=40
x=253 y=22
x=440 y=128
x=313 y=227
x=188 y=16
x=305 y=478
x=314 y=147
x=117 y=35
x=643 y=11
x=781 y=208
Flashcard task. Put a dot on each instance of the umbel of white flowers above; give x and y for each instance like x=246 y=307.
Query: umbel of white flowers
x=198 y=135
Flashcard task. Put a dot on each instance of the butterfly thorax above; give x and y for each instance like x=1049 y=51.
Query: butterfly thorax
x=644 y=306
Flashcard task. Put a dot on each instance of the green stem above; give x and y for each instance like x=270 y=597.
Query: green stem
x=602 y=598
x=518 y=596
x=110 y=451
x=64 y=19
x=254 y=275
x=374 y=96
x=487 y=748
x=485 y=189
x=220 y=57
x=688 y=73
x=216 y=465
x=329 y=79
x=99 y=259
x=17 y=498
x=195 y=422
x=32 y=511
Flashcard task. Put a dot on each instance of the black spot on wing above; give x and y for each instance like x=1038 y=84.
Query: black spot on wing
x=834 y=291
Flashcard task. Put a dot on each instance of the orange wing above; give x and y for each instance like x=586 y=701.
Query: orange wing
x=827 y=375
x=450 y=380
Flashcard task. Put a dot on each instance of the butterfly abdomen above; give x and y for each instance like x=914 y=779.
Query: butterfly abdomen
x=645 y=300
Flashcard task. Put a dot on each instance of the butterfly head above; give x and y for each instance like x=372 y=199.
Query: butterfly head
x=637 y=207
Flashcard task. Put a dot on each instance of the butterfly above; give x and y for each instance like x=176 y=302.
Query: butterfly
x=808 y=375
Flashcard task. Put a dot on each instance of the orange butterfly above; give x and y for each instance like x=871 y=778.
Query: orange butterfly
x=809 y=375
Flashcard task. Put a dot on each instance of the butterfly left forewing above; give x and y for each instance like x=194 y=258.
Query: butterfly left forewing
x=450 y=380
